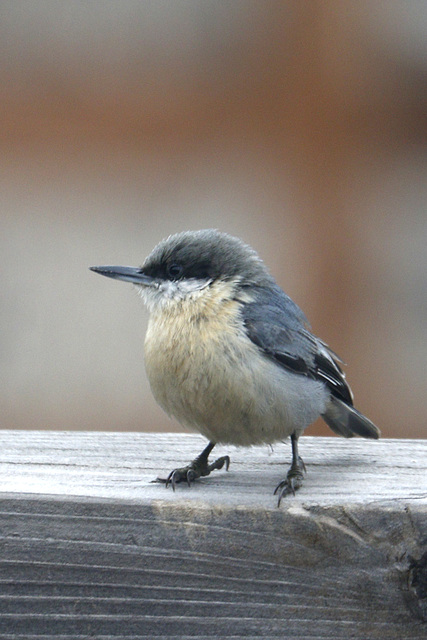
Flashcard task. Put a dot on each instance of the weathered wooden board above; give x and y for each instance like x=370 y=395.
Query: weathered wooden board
x=90 y=547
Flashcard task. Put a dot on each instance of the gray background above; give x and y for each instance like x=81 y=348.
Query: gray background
x=298 y=126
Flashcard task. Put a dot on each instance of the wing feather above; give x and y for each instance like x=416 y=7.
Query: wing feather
x=279 y=328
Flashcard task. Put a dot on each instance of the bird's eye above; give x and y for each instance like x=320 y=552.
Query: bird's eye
x=174 y=270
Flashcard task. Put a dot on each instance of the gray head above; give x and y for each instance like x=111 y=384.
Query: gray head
x=205 y=254
x=192 y=261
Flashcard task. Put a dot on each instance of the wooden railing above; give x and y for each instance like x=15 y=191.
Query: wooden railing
x=91 y=548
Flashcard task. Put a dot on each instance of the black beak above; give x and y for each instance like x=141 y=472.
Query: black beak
x=128 y=274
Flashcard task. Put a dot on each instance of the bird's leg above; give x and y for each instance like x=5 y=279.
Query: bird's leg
x=295 y=475
x=197 y=468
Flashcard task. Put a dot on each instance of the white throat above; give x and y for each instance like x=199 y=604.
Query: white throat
x=168 y=292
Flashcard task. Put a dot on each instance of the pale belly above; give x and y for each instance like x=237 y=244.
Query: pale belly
x=220 y=384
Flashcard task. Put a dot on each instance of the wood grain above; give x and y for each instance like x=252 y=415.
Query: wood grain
x=90 y=547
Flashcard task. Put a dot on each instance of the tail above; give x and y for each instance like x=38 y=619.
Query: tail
x=348 y=421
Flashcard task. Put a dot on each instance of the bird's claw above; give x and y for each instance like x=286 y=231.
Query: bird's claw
x=219 y=463
x=194 y=470
x=292 y=482
x=178 y=475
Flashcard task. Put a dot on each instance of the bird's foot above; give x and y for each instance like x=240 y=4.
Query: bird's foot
x=196 y=469
x=293 y=480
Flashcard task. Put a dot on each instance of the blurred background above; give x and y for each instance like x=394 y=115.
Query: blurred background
x=299 y=126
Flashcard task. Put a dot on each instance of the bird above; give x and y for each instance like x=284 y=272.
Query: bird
x=229 y=354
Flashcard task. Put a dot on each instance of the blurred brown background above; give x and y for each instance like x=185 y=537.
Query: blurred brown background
x=299 y=126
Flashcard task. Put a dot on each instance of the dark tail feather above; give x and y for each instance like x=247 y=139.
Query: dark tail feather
x=348 y=421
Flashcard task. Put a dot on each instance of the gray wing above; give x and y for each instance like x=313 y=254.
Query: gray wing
x=279 y=328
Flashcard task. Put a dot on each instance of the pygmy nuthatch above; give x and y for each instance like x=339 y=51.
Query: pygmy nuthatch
x=229 y=354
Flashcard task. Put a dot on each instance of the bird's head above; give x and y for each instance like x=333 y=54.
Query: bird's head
x=192 y=263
